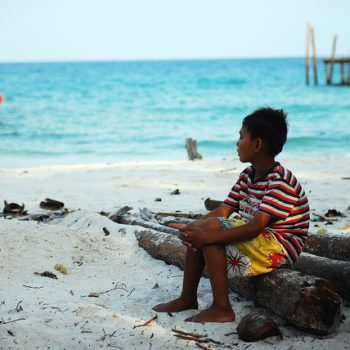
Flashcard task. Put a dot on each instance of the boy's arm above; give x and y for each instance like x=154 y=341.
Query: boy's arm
x=209 y=231
x=224 y=211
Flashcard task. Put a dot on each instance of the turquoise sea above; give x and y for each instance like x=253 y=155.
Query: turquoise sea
x=81 y=112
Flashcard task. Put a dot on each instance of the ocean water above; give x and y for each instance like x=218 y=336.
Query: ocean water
x=79 y=112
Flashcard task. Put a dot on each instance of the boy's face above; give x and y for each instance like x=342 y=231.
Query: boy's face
x=246 y=147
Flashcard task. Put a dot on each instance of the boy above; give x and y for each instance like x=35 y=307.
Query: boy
x=270 y=234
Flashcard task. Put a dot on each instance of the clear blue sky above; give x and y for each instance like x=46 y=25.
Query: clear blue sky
x=56 y=30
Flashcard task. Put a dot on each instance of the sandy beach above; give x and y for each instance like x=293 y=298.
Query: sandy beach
x=58 y=314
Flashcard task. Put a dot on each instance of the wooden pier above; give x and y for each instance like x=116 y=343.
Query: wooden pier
x=344 y=63
x=329 y=63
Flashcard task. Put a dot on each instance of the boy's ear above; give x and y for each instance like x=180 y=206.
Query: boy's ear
x=258 y=144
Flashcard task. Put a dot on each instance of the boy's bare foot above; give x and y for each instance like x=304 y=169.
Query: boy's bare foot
x=176 y=305
x=213 y=314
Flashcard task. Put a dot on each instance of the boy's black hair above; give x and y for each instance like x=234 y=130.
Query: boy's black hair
x=270 y=125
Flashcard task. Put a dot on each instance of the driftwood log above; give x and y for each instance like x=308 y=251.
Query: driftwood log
x=162 y=246
x=128 y=219
x=329 y=246
x=308 y=302
x=338 y=272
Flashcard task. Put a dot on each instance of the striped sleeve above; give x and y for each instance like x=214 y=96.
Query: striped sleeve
x=232 y=199
x=279 y=200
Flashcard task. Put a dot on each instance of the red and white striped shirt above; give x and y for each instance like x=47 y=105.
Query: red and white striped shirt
x=278 y=195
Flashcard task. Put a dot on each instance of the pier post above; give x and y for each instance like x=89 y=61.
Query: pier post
x=314 y=56
x=307 y=57
x=330 y=75
x=342 y=78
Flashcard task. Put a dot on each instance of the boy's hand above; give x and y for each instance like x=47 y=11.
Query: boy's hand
x=200 y=233
x=182 y=227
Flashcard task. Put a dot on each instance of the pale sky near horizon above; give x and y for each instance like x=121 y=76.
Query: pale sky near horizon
x=65 y=30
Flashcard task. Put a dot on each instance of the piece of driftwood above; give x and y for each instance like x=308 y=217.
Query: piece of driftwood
x=338 y=272
x=191 y=216
x=308 y=302
x=41 y=217
x=329 y=246
x=162 y=246
x=128 y=219
x=156 y=221
x=166 y=220
x=191 y=147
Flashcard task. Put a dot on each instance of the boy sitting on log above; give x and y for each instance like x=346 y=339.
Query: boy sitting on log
x=269 y=233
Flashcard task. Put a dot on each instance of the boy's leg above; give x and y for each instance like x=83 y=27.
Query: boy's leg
x=220 y=310
x=194 y=264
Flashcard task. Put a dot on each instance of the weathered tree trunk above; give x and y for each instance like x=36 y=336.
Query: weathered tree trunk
x=338 y=272
x=329 y=246
x=189 y=216
x=308 y=302
x=128 y=219
x=166 y=220
x=155 y=221
x=162 y=246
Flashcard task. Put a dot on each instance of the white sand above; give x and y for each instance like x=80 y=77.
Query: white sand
x=58 y=315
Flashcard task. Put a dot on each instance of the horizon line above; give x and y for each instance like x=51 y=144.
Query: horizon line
x=106 y=60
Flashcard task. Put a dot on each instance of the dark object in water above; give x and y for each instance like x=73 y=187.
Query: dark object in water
x=331 y=213
x=211 y=204
x=46 y=274
x=14 y=209
x=51 y=204
x=254 y=327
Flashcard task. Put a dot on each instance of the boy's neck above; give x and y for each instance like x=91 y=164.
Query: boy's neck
x=262 y=167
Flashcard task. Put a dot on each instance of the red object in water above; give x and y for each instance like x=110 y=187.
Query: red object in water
x=1 y=99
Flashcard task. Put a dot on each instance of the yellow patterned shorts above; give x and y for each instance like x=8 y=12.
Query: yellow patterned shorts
x=257 y=256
